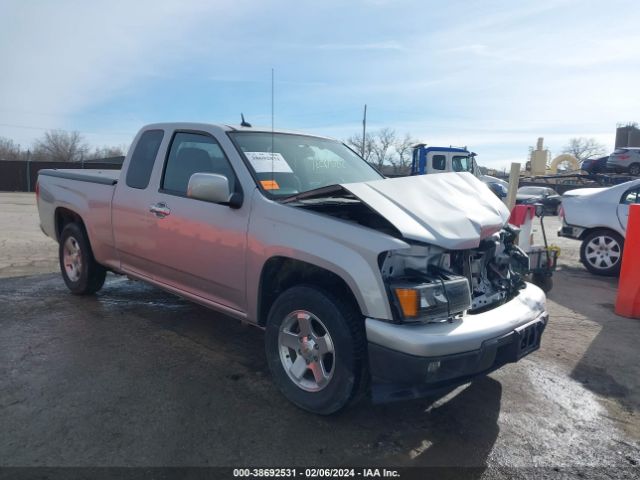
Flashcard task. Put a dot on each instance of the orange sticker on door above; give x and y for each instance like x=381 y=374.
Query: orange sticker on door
x=269 y=184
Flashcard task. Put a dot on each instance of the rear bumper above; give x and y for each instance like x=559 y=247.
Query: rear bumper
x=410 y=361
x=569 y=231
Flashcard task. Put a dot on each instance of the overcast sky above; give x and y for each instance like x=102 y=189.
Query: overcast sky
x=493 y=75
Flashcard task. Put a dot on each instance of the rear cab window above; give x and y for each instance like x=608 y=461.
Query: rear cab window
x=143 y=159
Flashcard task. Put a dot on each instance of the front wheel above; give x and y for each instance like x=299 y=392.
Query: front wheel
x=601 y=252
x=80 y=271
x=315 y=347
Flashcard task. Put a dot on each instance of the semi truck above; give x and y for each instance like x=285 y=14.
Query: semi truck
x=426 y=159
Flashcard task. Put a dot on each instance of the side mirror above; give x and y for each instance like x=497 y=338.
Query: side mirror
x=212 y=187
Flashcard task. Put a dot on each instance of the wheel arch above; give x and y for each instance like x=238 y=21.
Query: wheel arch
x=281 y=272
x=63 y=216
x=589 y=230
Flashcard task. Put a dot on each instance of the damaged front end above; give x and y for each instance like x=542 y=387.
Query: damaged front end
x=462 y=255
x=427 y=283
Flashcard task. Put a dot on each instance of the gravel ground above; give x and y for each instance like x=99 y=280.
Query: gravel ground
x=138 y=377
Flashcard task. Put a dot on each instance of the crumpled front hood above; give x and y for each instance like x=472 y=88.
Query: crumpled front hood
x=451 y=210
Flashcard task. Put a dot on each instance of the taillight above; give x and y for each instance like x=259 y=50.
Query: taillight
x=37 y=190
x=561 y=213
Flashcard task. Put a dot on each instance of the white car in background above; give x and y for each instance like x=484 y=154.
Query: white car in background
x=598 y=217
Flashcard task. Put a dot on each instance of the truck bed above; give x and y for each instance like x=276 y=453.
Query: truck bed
x=86 y=193
x=104 y=177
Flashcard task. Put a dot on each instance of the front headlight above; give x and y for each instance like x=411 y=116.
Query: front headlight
x=433 y=300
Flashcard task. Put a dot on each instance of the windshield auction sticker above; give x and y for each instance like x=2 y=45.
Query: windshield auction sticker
x=263 y=162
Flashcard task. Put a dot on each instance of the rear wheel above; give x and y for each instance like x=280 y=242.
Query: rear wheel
x=315 y=347
x=80 y=271
x=634 y=169
x=601 y=252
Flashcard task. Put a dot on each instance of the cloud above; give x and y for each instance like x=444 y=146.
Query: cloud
x=390 y=45
x=495 y=74
x=62 y=57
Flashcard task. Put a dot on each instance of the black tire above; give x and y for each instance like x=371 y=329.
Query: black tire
x=590 y=257
x=545 y=282
x=345 y=326
x=634 y=169
x=86 y=276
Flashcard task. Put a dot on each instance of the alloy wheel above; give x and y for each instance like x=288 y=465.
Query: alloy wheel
x=306 y=351
x=72 y=259
x=603 y=252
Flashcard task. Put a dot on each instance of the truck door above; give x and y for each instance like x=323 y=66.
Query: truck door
x=133 y=226
x=200 y=245
x=629 y=197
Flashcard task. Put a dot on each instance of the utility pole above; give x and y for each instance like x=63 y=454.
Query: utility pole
x=364 y=130
x=28 y=170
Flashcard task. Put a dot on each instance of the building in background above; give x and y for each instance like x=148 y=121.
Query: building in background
x=539 y=158
x=627 y=135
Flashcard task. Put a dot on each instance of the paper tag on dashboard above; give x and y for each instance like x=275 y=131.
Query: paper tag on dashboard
x=263 y=162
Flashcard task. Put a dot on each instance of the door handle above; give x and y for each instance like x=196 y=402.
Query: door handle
x=160 y=210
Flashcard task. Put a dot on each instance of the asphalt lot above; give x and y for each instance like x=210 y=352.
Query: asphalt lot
x=138 y=377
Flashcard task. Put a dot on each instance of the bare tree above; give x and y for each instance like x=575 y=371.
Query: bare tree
x=355 y=142
x=9 y=150
x=60 y=146
x=582 y=148
x=382 y=149
x=105 y=152
x=403 y=149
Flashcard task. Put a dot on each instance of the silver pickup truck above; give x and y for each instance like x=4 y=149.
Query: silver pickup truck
x=394 y=287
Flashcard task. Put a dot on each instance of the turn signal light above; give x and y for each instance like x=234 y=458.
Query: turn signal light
x=408 y=299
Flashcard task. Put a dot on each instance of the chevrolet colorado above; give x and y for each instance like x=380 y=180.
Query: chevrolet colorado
x=394 y=287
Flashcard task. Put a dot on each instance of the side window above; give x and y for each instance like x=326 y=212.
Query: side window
x=629 y=197
x=193 y=153
x=439 y=162
x=460 y=164
x=143 y=158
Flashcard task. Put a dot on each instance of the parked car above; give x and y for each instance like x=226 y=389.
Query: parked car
x=498 y=189
x=598 y=218
x=548 y=197
x=398 y=287
x=595 y=165
x=625 y=160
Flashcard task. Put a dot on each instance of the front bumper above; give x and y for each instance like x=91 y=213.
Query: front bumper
x=410 y=361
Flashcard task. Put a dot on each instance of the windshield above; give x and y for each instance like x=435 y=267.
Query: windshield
x=300 y=163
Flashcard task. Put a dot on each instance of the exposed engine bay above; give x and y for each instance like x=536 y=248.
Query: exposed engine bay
x=491 y=269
